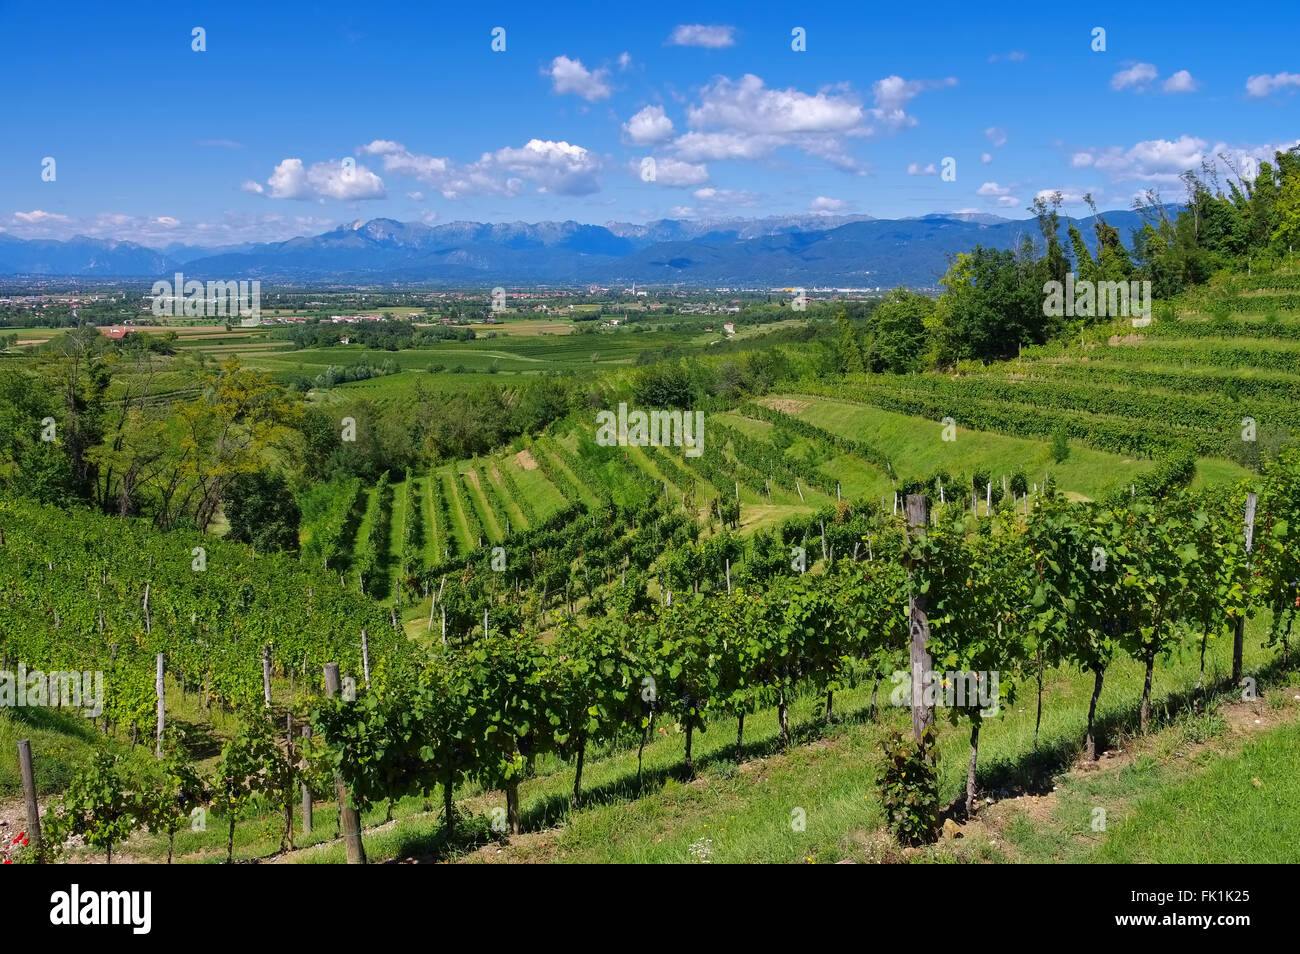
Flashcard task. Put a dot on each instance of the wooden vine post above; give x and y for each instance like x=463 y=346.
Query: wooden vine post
x=365 y=658
x=349 y=821
x=1239 y=631
x=29 y=796
x=918 y=627
x=266 y=675
x=162 y=710
x=306 y=788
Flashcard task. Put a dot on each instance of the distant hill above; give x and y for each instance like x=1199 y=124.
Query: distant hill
x=806 y=250
x=79 y=256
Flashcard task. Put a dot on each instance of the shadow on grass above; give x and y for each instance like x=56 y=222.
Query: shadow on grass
x=1033 y=772
x=49 y=719
x=552 y=809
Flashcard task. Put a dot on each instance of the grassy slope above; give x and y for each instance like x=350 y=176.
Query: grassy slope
x=492 y=468
x=920 y=445
x=546 y=499
x=435 y=535
x=455 y=504
x=475 y=496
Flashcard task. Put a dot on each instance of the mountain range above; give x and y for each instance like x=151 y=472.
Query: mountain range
x=810 y=250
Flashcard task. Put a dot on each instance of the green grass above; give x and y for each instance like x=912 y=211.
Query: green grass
x=1239 y=808
x=62 y=742
x=435 y=537
x=920 y=445
x=546 y=499
x=456 y=505
x=492 y=470
x=475 y=494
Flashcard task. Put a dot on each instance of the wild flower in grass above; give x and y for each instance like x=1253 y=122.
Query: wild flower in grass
x=9 y=847
x=702 y=851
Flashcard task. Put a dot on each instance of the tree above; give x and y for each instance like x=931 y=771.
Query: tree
x=262 y=512
x=225 y=432
x=1156 y=563
x=896 y=332
x=991 y=306
x=1286 y=234
x=848 y=347
x=1060 y=443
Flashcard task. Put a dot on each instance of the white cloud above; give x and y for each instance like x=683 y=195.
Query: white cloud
x=916 y=169
x=744 y=119
x=553 y=167
x=624 y=60
x=416 y=196
x=570 y=76
x=650 y=125
x=747 y=105
x=712 y=37
x=1138 y=76
x=1015 y=56
x=996 y=135
x=986 y=157
x=893 y=93
x=1154 y=160
x=1069 y=196
x=288 y=180
x=1180 y=82
x=1265 y=85
x=556 y=167
x=725 y=145
x=157 y=231
x=333 y=179
x=728 y=197
x=1163 y=161
x=255 y=188
x=827 y=205
x=344 y=180
x=402 y=162
x=674 y=172
x=38 y=217
x=1001 y=195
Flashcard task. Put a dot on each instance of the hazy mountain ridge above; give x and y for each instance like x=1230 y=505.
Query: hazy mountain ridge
x=800 y=250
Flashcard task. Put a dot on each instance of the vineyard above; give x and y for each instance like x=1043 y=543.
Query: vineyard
x=456 y=622
x=735 y=631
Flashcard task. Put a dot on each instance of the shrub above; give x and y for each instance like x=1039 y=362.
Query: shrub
x=909 y=787
x=1060 y=444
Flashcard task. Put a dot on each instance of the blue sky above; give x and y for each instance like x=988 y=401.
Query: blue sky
x=293 y=121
